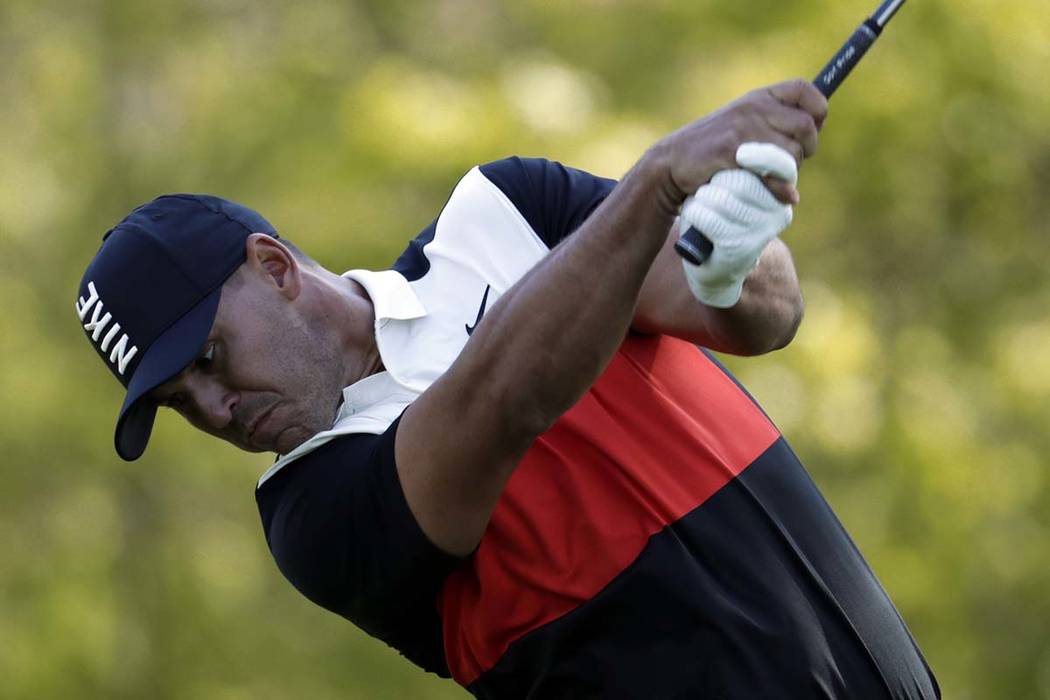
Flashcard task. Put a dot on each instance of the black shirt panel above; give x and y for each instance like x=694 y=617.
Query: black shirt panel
x=341 y=532
x=413 y=262
x=758 y=593
x=553 y=198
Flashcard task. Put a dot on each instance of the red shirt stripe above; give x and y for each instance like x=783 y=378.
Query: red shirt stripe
x=661 y=430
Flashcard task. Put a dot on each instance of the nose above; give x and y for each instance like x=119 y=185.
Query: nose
x=215 y=403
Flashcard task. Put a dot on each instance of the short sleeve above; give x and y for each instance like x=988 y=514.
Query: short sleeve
x=553 y=198
x=341 y=532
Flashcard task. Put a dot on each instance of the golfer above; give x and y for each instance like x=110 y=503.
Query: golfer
x=506 y=456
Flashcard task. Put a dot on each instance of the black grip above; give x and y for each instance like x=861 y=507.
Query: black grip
x=848 y=56
x=694 y=246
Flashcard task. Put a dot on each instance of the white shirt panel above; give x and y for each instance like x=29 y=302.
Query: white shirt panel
x=481 y=241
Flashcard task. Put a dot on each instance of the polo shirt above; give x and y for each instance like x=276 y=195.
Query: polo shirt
x=660 y=540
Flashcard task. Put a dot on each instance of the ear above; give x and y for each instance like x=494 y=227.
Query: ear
x=267 y=256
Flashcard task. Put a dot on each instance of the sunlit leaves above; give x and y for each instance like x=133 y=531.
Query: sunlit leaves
x=917 y=391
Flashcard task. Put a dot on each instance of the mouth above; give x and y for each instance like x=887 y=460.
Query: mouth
x=259 y=422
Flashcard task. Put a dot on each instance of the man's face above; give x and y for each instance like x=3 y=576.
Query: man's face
x=263 y=379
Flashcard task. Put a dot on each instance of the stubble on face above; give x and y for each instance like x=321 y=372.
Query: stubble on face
x=306 y=402
x=285 y=367
x=306 y=373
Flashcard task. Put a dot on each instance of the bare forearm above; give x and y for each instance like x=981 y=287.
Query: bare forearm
x=546 y=340
x=537 y=350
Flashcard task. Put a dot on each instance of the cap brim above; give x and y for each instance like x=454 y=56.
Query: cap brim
x=167 y=356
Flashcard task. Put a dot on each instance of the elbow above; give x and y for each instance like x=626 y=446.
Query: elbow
x=781 y=299
x=791 y=319
x=776 y=333
x=789 y=333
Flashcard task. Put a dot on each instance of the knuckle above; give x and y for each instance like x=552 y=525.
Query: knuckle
x=728 y=143
x=747 y=108
x=795 y=90
x=812 y=141
x=809 y=134
x=814 y=95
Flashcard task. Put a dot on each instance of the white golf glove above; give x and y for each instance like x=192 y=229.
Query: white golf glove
x=740 y=216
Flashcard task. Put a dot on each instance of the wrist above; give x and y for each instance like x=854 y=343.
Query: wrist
x=656 y=166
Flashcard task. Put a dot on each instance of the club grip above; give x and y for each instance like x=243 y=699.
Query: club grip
x=847 y=57
x=694 y=246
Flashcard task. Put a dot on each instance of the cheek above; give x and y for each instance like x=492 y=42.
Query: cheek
x=258 y=365
x=316 y=394
x=286 y=360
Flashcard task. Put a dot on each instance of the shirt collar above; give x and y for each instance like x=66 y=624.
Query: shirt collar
x=392 y=296
x=366 y=393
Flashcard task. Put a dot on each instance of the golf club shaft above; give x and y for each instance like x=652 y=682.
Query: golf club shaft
x=693 y=245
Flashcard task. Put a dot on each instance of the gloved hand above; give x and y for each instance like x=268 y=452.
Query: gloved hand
x=740 y=216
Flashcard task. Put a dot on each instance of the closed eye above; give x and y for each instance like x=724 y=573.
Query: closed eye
x=206 y=360
x=176 y=401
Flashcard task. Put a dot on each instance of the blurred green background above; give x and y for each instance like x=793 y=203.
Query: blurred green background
x=917 y=391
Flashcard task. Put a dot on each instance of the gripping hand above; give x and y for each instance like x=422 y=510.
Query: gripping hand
x=740 y=216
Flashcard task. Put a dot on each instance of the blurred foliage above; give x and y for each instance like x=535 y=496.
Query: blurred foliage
x=916 y=392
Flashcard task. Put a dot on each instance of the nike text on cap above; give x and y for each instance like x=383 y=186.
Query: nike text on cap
x=148 y=300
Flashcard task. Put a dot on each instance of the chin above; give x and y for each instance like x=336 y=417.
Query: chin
x=292 y=437
x=246 y=447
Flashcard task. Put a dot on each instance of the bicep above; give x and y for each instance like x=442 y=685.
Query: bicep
x=455 y=451
x=459 y=441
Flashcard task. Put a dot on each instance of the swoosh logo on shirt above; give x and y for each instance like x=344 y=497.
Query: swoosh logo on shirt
x=481 y=311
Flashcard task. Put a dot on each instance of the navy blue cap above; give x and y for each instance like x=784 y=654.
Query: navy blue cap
x=148 y=299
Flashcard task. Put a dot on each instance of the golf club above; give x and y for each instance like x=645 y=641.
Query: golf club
x=693 y=245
